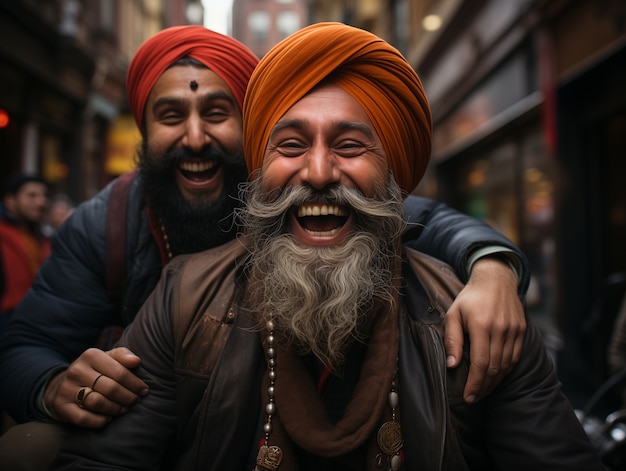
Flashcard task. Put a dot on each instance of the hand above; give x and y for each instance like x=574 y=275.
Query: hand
x=111 y=388
x=490 y=311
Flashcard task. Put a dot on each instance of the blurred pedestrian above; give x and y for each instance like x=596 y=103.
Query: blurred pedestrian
x=23 y=247
x=61 y=207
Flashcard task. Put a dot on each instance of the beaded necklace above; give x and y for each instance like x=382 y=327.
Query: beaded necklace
x=389 y=436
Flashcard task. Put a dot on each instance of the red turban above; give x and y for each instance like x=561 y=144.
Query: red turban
x=228 y=58
x=363 y=65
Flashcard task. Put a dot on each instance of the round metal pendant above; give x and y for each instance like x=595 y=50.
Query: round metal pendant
x=390 y=438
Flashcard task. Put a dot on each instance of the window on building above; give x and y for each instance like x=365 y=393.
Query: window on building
x=107 y=15
x=287 y=22
x=400 y=26
x=259 y=23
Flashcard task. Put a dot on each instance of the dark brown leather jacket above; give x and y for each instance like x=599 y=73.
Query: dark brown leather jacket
x=204 y=362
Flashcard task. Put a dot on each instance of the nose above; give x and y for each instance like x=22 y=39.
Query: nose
x=320 y=168
x=196 y=135
x=41 y=201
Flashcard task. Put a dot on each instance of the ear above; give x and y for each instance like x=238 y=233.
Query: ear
x=9 y=202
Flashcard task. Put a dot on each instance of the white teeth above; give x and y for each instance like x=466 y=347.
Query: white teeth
x=196 y=166
x=320 y=210
x=322 y=234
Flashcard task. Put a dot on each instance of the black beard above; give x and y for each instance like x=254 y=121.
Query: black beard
x=192 y=226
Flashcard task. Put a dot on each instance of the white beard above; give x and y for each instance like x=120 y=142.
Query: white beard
x=320 y=298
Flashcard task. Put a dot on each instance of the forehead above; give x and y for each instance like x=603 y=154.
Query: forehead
x=329 y=102
x=176 y=80
x=32 y=187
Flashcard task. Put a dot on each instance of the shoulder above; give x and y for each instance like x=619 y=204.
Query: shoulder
x=192 y=277
x=438 y=279
x=6 y=227
x=212 y=265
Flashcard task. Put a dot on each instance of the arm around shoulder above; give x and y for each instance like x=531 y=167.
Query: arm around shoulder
x=456 y=238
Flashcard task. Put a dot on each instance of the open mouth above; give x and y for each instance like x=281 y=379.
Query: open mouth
x=321 y=220
x=199 y=171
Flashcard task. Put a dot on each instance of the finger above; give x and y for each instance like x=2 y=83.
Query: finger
x=125 y=360
x=495 y=370
x=453 y=337
x=508 y=352
x=98 y=403
x=115 y=398
x=94 y=362
x=518 y=345
x=72 y=407
x=83 y=416
x=479 y=363
x=124 y=356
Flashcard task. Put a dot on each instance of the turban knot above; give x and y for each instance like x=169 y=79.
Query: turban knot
x=228 y=58
x=363 y=65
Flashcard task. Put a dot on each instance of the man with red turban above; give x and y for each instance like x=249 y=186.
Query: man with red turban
x=185 y=87
x=315 y=339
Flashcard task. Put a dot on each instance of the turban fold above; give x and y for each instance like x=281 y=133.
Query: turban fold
x=363 y=65
x=228 y=58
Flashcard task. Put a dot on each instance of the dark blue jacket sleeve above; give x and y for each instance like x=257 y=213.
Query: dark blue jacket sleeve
x=144 y=437
x=61 y=315
x=444 y=233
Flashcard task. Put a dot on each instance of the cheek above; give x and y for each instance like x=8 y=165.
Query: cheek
x=367 y=175
x=160 y=139
x=232 y=139
x=278 y=171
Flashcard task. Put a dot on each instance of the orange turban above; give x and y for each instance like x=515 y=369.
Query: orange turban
x=228 y=58
x=363 y=65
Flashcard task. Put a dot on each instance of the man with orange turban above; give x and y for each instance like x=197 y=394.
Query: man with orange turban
x=315 y=340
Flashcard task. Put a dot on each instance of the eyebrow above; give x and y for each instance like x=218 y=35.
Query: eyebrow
x=340 y=125
x=204 y=99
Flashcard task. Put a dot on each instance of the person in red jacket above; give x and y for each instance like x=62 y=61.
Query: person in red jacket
x=23 y=247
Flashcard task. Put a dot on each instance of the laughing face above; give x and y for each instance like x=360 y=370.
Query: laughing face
x=326 y=139
x=192 y=108
x=324 y=219
x=192 y=156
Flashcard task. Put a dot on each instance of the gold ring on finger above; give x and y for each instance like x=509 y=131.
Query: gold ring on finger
x=81 y=396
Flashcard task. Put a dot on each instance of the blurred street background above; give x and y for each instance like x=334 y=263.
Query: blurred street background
x=529 y=107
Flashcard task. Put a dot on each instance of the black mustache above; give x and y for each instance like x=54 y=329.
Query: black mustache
x=177 y=155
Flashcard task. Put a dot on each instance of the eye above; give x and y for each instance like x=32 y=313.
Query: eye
x=170 y=116
x=350 y=148
x=291 y=147
x=217 y=109
x=216 y=114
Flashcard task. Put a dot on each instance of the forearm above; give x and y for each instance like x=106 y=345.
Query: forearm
x=24 y=374
x=55 y=322
x=456 y=238
x=127 y=442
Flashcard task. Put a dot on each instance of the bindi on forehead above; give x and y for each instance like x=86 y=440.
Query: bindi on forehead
x=193 y=85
